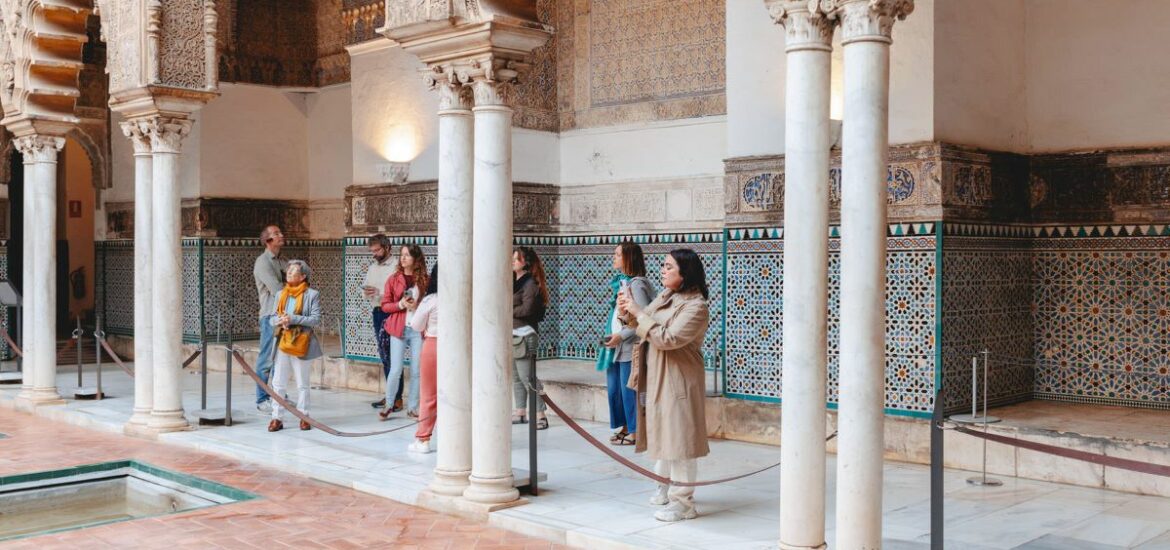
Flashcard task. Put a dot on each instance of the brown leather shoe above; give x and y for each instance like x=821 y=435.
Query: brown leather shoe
x=305 y=426
x=275 y=426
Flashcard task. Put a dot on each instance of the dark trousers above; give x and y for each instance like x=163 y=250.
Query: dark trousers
x=384 y=350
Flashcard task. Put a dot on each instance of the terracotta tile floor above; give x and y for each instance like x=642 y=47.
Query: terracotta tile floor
x=293 y=512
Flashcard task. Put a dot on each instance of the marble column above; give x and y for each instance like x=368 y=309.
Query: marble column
x=809 y=37
x=166 y=137
x=491 y=329
x=40 y=183
x=143 y=284
x=27 y=318
x=866 y=26
x=453 y=463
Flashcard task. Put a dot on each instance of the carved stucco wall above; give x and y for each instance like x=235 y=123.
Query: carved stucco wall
x=621 y=62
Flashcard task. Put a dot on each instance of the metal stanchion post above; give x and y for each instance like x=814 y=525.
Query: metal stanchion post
x=975 y=417
x=202 y=365
x=533 y=472
x=77 y=332
x=227 y=413
x=986 y=418
x=83 y=392
x=98 y=336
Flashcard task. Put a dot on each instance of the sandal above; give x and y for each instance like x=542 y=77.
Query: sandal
x=519 y=419
x=384 y=414
x=618 y=436
x=542 y=423
x=625 y=439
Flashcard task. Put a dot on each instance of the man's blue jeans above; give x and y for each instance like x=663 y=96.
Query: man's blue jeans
x=264 y=362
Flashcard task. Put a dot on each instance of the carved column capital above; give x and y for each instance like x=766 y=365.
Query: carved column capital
x=454 y=94
x=39 y=148
x=492 y=80
x=166 y=133
x=808 y=24
x=137 y=131
x=871 y=20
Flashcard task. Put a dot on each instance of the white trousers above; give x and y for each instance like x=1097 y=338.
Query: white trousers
x=687 y=471
x=280 y=372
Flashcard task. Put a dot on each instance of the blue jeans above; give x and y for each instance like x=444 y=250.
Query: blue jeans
x=383 y=341
x=397 y=356
x=264 y=362
x=623 y=402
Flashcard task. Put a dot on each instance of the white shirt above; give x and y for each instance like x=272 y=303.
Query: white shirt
x=426 y=316
x=376 y=277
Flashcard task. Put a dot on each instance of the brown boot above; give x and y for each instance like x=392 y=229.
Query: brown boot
x=275 y=426
x=305 y=426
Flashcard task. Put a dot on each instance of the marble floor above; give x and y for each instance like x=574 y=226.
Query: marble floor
x=591 y=501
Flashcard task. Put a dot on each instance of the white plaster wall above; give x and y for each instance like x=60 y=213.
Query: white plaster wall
x=536 y=156
x=1098 y=73
x=662 y=150
x=980 y=91
x=755 y=80
x=121 y=164
x=330 y=142
x=253 y=142
x=912 y=76
x=394 y=115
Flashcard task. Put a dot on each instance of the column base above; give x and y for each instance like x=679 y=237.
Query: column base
x=167 y=421
x=496 y=490
x=822 y=546
x=38 y=397
x=140 y=417
x=449 y=483
x=461 y=507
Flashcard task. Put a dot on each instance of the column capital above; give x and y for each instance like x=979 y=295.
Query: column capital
x=166 y=133
x=808 y=24
x=38 y=147
x=138 y=132
x=871 y=20
x=491 y=79
x=454 y=94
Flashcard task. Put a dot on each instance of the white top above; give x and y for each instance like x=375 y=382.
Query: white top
x=376 y=277
x=426 y=316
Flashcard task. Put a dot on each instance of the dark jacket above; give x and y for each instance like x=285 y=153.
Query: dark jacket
x=527 y=304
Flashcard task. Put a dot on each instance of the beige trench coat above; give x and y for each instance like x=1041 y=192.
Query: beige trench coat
x=672 y=328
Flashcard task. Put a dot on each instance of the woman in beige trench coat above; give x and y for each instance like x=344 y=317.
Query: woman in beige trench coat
x=673 y=326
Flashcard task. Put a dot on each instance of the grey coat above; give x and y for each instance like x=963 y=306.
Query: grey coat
x=311 y=308
x=643 y=293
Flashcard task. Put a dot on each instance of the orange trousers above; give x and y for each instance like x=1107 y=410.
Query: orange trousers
x=428 y=407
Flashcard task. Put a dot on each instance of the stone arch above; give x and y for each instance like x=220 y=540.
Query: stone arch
x=41 y=57
x=98 y=161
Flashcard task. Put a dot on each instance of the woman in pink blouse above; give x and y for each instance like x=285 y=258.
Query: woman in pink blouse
x=426 y=322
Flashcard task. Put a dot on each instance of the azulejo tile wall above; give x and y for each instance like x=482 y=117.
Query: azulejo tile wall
x=219 y=292
x=754 y=282
x=5 y=352
x=1102 y=314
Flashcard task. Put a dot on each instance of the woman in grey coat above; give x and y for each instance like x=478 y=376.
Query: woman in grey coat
x=619 y=342
x=298 y=310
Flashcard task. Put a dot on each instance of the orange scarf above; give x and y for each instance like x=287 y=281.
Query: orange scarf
x=295 y=340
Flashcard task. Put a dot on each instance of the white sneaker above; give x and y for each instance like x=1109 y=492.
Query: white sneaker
x=659 y=496
x=676 y=511
x=264 y=407
x=419 y=446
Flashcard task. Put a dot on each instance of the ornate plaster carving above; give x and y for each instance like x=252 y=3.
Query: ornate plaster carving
x=138 y=132
x=40 y=57
x=454 y=94
x=808 y=24
x=39 y=148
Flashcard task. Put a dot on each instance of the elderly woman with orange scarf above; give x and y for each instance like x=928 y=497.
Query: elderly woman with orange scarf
x=298 y=311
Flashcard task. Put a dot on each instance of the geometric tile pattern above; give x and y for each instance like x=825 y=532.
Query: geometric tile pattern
x=1102 y=319
x=359 y=339
x=5 y=353
x=755 y=273
x=987 y=305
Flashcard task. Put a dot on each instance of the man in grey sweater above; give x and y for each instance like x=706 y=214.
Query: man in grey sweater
x=269 y=272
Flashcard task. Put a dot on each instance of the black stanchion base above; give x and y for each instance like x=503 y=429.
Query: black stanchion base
x=88 y=394
x=217 y=417
x=11 y=377
x=521 y=481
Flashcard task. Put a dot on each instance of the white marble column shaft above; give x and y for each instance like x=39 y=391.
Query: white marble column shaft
x=27 y=312
x=40 y=182
x=456 y=160
x=166 y=136
x=866 y=28
x=143 y=283
x=491 y=330
x=806 y=274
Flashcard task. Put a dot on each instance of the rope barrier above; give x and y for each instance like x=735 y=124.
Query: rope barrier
x=194 y=356
x=12 y=345
x=297 y=413
x=1084 y=456
x=118 y=360
x=644 y=472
